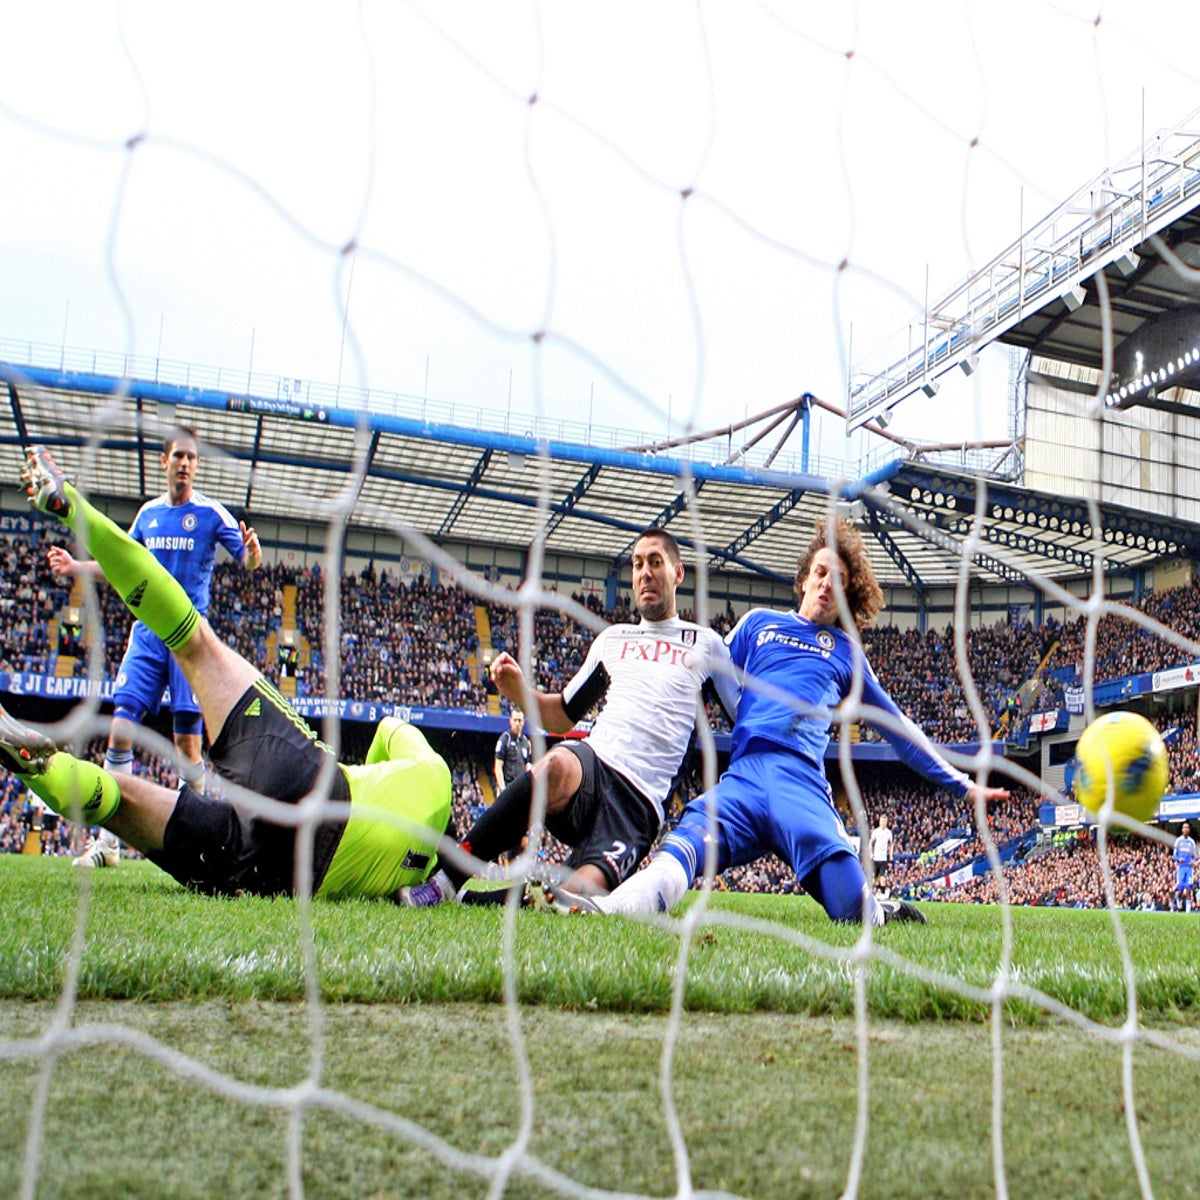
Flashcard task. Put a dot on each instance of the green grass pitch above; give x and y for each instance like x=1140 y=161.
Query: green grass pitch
x=202 y=1045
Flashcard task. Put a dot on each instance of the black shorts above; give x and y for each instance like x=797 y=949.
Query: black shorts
x=610 y=824
x=213 y=846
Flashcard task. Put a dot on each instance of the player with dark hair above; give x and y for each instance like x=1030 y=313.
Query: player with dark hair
x=182 y=529
x=397 y=803
x=1184 y=854
x=774 y=798
x=605 y=794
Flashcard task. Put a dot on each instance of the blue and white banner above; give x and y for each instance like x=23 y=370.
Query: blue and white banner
x=15 y=523
x=1177 y=677
x=28 y=683
x=1178 y=807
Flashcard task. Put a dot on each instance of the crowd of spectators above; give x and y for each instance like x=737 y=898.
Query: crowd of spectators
x=1070 y=875
x=403 y=642
x=407 y=641
x=1124 y=647
x=414 y=643
x=1183 y=753
x=31 y=596
x=921 y=673
x=934 y=836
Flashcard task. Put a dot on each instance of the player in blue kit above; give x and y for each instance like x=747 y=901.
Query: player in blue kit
x=774 y=798
x=381 y=833
x=182 y=529
x=1184 y=854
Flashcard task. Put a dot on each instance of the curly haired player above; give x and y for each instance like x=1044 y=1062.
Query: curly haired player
x=774 y=798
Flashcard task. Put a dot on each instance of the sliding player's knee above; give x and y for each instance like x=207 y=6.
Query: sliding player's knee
x=841 y=888
x=563 y=775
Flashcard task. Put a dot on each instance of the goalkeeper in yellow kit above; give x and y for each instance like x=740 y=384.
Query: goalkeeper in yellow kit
x=395 y=807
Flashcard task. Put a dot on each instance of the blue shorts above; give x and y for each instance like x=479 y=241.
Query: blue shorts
x=1183 y=877
x=146 y=670
x=772 y=802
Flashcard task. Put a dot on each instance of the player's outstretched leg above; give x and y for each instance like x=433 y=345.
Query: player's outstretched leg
x=71 y=786
x=148 y=589
x=23 y=751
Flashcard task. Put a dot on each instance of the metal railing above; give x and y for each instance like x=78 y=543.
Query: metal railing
x=244 y=382
x=1104 y=220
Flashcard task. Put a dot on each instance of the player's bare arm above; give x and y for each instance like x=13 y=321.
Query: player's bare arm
x=62 y=563
x=510 y=681
x=988 y=794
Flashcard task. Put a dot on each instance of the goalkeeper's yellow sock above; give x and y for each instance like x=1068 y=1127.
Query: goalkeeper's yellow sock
x=149 y=590
x=73 y=786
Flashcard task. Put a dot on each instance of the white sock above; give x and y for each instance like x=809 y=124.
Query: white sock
x=656 y=888
x=116 y=762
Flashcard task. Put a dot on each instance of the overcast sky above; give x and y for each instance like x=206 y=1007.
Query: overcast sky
x=701 y=204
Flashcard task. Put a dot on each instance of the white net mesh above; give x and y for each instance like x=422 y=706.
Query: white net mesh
x=659 y=219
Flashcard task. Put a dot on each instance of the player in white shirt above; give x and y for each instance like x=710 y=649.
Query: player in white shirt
x=605 y=794
x=774 y=796
x=881 y=847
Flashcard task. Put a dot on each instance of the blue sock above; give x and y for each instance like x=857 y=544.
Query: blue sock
x=839 y=886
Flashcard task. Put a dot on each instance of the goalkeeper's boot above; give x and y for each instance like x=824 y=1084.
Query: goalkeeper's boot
x=553 y=897
x=23 y=751
x=437 y=889
x=901 y=910
x=99 y=853
x=45 y=484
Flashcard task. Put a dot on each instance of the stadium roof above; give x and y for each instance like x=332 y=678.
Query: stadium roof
x=285 y=459
x=1115 y=265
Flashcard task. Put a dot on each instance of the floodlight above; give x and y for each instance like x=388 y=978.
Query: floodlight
x=1127 y=264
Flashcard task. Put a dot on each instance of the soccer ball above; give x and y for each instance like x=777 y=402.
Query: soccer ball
x=1125 y=747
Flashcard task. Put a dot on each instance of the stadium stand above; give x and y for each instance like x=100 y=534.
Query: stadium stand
x=419 y=644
